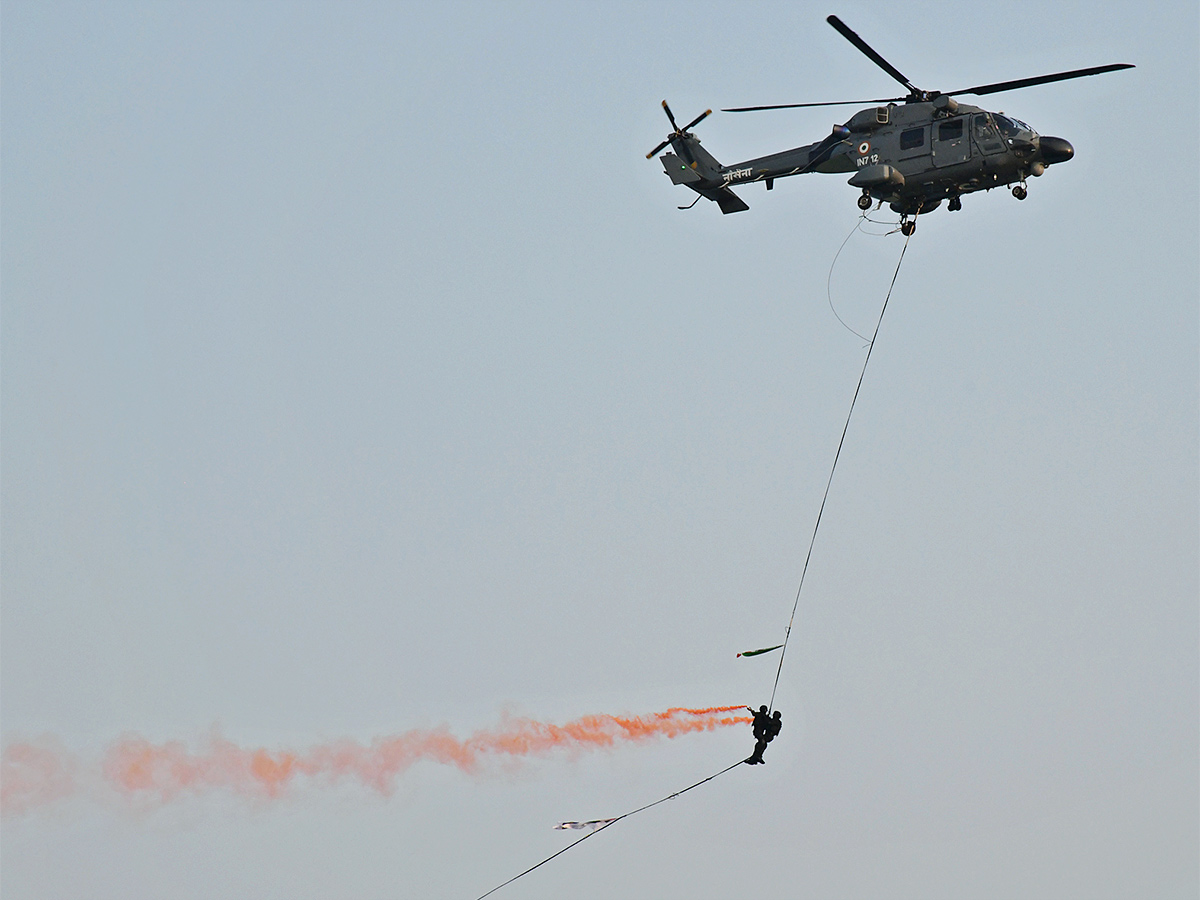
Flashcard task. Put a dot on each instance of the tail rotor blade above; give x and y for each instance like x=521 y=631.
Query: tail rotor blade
x=653 y=153
x=670 y=116
x=680 y=133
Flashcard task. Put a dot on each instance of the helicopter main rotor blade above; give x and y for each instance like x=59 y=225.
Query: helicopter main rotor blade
x=1041 y=79
x=844 y=30
x=979 y=90
x=670 y=116
x=696 y=121
x=799 y=105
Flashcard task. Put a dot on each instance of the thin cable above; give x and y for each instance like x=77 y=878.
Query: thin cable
x=832 y=469
x=829 y=278
x=795 y=606
x=592 y=834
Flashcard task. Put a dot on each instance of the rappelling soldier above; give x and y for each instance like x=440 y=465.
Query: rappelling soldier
x=761 y=720
x=764 y=733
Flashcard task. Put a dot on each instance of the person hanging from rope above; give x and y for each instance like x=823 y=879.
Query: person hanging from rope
x=771 y=726
x=761 y=719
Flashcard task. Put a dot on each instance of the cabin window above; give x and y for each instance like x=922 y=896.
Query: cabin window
x=950 y=131
x=984 y=131
x=1008 y=127
x=986 y=134
x=914 y=137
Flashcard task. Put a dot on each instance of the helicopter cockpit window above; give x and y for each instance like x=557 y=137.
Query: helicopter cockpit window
x=1008 y=127
x=914 y=137
x=950 y=131
x=986 y=135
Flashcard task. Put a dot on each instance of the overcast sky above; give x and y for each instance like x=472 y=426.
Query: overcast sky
x=360 y=376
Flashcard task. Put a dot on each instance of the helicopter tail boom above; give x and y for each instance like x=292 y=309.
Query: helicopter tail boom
x=694 y=167
x=702 y=176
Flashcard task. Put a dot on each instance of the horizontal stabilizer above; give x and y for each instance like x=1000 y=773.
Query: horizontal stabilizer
x=728 y=201
x=678 y=170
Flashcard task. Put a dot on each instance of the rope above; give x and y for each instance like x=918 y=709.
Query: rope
x=833 y=468
x=829 y=278
x=609 y=824
x=795 y=606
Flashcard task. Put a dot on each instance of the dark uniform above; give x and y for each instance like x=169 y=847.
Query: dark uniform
x=765 y=730
x=761 y=720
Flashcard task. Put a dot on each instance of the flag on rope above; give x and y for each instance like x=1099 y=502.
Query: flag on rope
x=592 y=825
x=759 y=652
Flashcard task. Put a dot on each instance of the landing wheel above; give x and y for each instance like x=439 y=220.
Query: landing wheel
x=907 y=228
x=1019 y=192
x=954 y=205
x=864 y=202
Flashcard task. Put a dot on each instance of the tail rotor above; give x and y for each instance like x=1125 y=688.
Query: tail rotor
x=677 y=132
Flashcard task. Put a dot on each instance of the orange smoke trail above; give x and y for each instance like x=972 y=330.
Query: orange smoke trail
x=32 y=775
x=137 y=768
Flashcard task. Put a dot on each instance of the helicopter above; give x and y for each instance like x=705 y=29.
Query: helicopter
x=911 y=152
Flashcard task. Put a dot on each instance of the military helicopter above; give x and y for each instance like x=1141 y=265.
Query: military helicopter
x=910 y=156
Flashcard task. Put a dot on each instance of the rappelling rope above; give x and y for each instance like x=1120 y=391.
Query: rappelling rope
x=613 y=822
x=833 y=468
x=795 y=606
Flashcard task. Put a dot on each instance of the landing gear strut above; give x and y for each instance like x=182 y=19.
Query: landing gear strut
x=954 y=205
x=1020 y=192
x=864 y=202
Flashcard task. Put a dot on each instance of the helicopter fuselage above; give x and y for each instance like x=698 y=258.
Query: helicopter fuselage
x=911 y=153
x=911 y=156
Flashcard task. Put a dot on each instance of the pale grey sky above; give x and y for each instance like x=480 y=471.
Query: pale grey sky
x=360 y=376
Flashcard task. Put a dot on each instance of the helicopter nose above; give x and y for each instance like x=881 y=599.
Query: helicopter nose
x=1056 y=150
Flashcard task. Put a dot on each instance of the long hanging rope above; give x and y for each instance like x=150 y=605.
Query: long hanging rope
x=832 y=469
x=795 y=606
x=613 y=822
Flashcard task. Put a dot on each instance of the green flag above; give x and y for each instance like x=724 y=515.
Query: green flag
x=760 y=652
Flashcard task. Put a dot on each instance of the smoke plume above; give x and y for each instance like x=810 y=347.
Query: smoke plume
x=35 y=774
